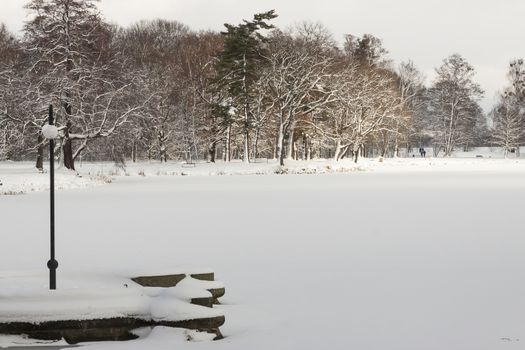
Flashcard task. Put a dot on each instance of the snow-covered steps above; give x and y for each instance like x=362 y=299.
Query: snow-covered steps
x=88 y=307
x=203 y=279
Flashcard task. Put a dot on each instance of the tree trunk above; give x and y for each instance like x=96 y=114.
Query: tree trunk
x=6 y=143
x=436 y=150
x=67 y=153
x=162 y=147
x=448 y=151
x=344 y=152
x=276 y=146
x=280 y=144
x=305 y=145
x=134 y=151
x=289 y=152
x=67 y=146
x=227 y=144
x=212 y=151
x=40 y=153
x=355 y=150
x=281 y=159
x=337 y=152
x=163 y=156
x=256 y=144
x=246 y=150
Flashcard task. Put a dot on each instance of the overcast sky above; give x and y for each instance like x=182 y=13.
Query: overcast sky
x=488 y=33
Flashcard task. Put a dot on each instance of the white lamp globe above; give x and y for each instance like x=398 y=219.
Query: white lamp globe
x=50 y=132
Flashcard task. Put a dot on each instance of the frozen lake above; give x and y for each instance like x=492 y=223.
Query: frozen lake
x=386 y=260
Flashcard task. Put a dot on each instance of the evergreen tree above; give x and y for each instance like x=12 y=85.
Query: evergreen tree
x=239 y=65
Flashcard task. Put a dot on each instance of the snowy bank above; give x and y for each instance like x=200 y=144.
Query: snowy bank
x=19 y=178
x=23 y=177
x=105 y=306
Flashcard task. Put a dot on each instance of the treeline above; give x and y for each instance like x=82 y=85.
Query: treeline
x=159 y=90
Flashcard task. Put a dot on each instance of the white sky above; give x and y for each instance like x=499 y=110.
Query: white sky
x=488 y=33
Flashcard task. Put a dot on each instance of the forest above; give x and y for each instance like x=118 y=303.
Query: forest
x=158 y=90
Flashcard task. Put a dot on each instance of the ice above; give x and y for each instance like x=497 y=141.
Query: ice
x=405 y=254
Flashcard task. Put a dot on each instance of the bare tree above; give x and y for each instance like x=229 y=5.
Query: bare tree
x=509 y=113
x=71 y=57
x=453 y=104
x=297 y=82
x=411 y=89
x=153 y=48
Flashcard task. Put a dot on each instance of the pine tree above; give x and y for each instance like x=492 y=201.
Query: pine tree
x=239 y=65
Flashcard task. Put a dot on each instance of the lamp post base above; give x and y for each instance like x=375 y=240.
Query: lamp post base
x=52 y=265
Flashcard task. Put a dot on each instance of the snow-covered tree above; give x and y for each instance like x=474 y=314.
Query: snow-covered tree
x=11 y=123
x=368 y=105
x=509 y=113
x=239 y=66
x=70 y=53
x=158 y=89
x=152 y=47
x=508 y=125
x=297 y=80
x=367 y=50
x=411 y=90
x=453 y=104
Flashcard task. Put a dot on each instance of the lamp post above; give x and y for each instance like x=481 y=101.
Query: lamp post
x=50 y=132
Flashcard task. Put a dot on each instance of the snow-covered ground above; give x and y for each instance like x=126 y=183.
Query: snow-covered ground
x=22 y=177
x=406 y=254
x=24 y=297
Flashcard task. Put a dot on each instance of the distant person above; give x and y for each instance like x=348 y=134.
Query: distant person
x=423 y=153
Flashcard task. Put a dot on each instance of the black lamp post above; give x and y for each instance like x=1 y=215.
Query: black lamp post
x=50 y=132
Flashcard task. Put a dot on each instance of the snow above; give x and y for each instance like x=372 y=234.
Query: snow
x=23 y=177
x=24 y=297
x=168 y=308
x=7 y=341
x=160 y=338
x=405 y=254
x=190 y=288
